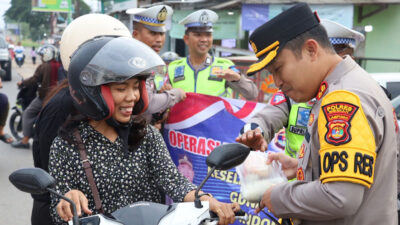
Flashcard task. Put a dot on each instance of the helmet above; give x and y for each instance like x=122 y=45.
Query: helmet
x=85 y=28
x=169 y=57
x=48 y=52
x=106 y=60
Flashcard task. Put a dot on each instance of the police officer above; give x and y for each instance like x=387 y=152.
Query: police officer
x=201 y=72
x=294 y=116
x=149 y=27
x=344 y=168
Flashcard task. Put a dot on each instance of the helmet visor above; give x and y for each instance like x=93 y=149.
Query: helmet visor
x=121 y=59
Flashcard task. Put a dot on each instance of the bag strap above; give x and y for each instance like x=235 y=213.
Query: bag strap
x=88 y=171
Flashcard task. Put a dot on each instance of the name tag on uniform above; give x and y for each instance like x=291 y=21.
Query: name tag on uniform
x=179 y=73
x=214 y=70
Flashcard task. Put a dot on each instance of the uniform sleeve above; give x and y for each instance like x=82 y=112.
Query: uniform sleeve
x=159 y=102
x=61 y=167
x=169 y=179
x=316 y=201
x=246 y=87
x=348 y=134
x=272 y=118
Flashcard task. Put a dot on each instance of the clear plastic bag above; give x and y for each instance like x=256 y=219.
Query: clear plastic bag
x=256 y=176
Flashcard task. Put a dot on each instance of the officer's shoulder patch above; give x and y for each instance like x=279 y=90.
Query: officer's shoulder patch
x=277 y=98
x=338 y=116
x=179 y=71
x=347 y=144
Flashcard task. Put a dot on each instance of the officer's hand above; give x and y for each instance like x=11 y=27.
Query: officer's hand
x=289 y=164
x=167 y=86
x=266 y=201
x=254 y=139
x=183 y=94
x=64 y=209
x=19 y=83
x=225 y=211
x=228 y=75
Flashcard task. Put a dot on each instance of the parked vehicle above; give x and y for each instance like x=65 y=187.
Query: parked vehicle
x=390 y=81
x=5 y=59
x=24 y=97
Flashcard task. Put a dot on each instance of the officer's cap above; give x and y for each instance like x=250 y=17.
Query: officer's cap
x=152 y=18
x=270 y=38
x=202 y=20
x=339 y=34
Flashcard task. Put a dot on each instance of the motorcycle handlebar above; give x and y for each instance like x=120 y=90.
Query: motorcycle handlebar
x=238 y=215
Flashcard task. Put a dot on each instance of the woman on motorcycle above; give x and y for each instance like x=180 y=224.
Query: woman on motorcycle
x=129 y=159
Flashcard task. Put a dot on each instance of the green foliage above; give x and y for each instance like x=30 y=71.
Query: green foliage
x=38 y=23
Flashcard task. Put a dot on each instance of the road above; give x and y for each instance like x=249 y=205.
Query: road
x=15 y=206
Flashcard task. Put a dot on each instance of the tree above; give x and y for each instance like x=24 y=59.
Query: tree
x=39 y=22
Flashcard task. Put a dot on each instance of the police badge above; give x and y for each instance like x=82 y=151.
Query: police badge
x=162 y=15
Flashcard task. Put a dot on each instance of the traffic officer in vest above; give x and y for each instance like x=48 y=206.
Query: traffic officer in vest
x=149 y=27
x=345 y=165
x=201 y=72
x=294 y=116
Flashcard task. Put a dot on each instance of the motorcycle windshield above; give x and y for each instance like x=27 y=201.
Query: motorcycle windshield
x=140 y=213
x=109 y=65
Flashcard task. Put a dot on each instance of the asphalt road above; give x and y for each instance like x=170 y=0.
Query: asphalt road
x=15 y=206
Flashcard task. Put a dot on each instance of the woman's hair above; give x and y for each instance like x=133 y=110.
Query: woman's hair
x=53 y=91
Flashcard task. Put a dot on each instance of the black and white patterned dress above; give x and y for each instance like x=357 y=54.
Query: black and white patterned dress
x=120 y=180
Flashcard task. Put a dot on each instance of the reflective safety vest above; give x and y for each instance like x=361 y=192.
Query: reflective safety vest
x=158 y=81
x=182 y=75
x=296 y=128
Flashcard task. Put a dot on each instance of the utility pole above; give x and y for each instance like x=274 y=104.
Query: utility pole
x=77 y=13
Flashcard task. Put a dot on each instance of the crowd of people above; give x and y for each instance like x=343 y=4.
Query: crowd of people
x=106 y=112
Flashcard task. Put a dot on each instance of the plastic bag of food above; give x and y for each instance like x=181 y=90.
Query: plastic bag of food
x=256 y=176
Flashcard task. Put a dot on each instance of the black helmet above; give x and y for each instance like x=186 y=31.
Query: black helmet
x=106 y=60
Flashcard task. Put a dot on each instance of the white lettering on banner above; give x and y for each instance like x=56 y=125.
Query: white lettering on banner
x=196 y=145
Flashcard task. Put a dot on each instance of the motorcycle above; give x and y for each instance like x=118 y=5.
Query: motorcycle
x=19 y=57
x=223 y=157
x=24 y=97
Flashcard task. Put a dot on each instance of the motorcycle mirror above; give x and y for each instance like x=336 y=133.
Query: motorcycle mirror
x=227 y=156
x=38 y=181
x=32 y=180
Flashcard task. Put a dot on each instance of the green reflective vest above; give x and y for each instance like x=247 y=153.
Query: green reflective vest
x=204 y=81
x=158 y=81
x=296 y=128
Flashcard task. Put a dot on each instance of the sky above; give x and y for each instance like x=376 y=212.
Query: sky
x=4 y=5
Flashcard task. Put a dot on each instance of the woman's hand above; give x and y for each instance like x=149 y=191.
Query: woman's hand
x=225 y=211
x=64 y=209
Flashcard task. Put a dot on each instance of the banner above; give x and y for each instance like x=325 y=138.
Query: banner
x=194 y=128
x=51 y=5
x=254 y=15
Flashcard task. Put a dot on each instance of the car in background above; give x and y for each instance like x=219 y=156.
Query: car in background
x=390 y=81
x=5 y=59
x=396 y=105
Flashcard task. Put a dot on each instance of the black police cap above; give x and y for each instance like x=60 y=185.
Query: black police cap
x=270 y=38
